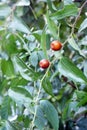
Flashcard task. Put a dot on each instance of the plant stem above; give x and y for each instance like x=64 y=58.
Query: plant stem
x=80 y=10
x=74 y=24
x=37 y=98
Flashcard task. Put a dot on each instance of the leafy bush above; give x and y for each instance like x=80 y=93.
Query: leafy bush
x=54 y=98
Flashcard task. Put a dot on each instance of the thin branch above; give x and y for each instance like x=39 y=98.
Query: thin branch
x=80 y=10
x=37 y=98
x=74 y=24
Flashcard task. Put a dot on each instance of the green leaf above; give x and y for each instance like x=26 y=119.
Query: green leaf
x=49 y=2
x=23 y=3
x=50 y=113
x=10 y=126
x=5 y=108
x=70 y=70
x=75 y=45
x=37 y=34
x=25 y=71
x=43 y=43
x=9 y=44
x=4 y=11
x=83 y=41
x=7 y=68
x=34 y=58
x=41 y=55
x=52 y=26
x=69 y=108
x=83 y=26
x=68 y=2
x=20 y=95
x=83 y=101
x=85 y=68
x=47 y=86
x=7 y=125
x=82 y=97
x=80 y=94
x=21 y=64
x=40 y=121
x=68 y=10
x=18 y=81
x=18 y=25
x=2 y=126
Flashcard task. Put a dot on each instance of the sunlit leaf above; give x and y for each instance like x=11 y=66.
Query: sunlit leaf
x=4 y=11
x=68 y=2
x=40 y=120
x=47 y=86
x=18 y=25
x=10 y=126
x=25 y=71
x=50 y=113
x=37 y=34
x=75 y=45
x=68 y=10
x=85 y=68
x=52 y=26
x=23 y=3
x=83 y=25
x=68 y=68
x=20 y=95
x=33 y=59
x=5 y=108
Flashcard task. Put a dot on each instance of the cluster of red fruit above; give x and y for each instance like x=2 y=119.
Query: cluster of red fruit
x=56 y=46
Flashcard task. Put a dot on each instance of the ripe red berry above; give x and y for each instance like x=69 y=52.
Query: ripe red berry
x=56 y=45
x=44 y=63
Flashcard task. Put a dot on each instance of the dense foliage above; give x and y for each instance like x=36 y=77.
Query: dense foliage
x=33 y=98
